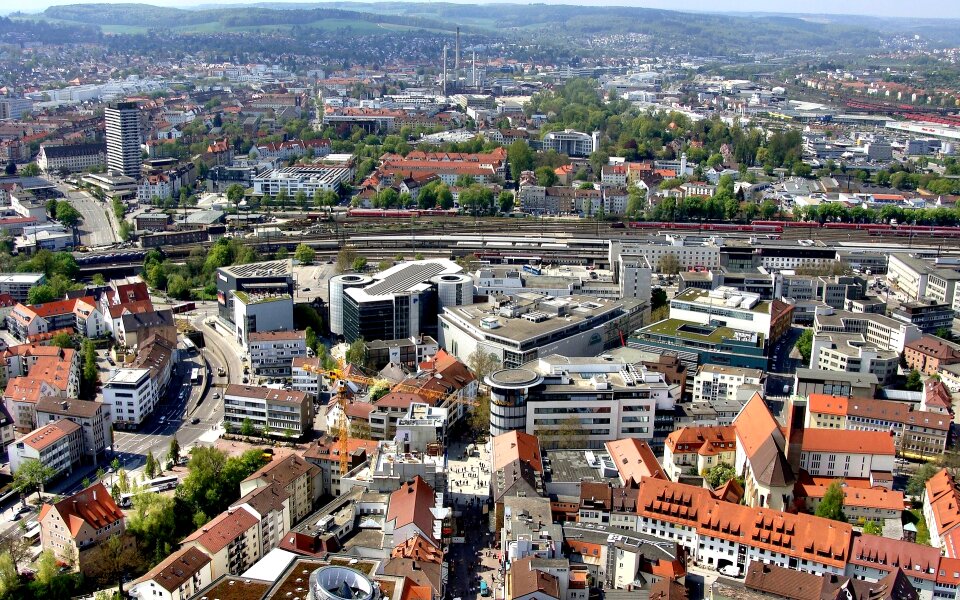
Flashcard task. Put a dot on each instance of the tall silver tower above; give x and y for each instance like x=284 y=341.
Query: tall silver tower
x=123 y=139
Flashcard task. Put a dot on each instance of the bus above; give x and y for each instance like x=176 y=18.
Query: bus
x=163 y=483
x=32 y=534
x=189 y=346
x=195 y=376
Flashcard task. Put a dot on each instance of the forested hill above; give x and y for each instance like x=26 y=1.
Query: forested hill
x=694 y=33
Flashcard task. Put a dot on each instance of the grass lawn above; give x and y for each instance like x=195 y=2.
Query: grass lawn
x=923 y=534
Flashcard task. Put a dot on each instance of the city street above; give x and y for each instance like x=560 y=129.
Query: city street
x=97 y=229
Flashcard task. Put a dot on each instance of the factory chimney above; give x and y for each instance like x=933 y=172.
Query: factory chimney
x=443 y=84
x=456 y=56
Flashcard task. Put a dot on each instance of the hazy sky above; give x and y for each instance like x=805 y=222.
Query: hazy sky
x=882 y=8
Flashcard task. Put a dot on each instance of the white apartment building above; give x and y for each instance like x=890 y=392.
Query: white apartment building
x=689 y=253
x=132 y=395
x=852 y=354
x=305 y=380
x=272 y=352
x=610 y=399
x=178 y=577
x=743 y=311
x=571 y=143
x=922 y=279
x=852 y=454
x=879 y=331
x=73 y=157
x=57 y=446
x=301 y=179
x=714 y=383
x=18 y=284
x=231 y=540
x=277 y=412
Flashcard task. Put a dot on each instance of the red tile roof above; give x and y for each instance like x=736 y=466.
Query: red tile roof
x=796 y=535
x=93 y=506
x=411 y=504
x=516 y=446
x=886 y=554
x=43 y=437
x=635 y=461
x=849 y=442
x=223 y=529
x=705 y=441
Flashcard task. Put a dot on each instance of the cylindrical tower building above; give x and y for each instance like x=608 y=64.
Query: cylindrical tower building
x=341 y=583
x=455 y=289
x=509 y=389
x=337 y=286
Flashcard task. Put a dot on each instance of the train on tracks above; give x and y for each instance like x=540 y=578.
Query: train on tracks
x=777 y=227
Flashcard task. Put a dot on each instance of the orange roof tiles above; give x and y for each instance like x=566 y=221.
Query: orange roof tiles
x=887 y=554
x=45 y=436
x=850 y=442
x=826 y=404
x=797 y=535
x=93 y=506
x=411 y=504
x=516 y=446
x=418 y=548
x=223 y=529
x=755 y=425
x=634 y=460
x=706 y=441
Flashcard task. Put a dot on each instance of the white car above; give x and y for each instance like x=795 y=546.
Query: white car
x=730 y=571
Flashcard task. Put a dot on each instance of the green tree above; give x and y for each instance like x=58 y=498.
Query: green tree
x=67 y=214
x=9 y=577
x=345 y=258
x=247 y=428
x=40 y=294
x=46 y=568
x=636 y=201
x=546 y=176
x=483 y=363
x=719 y=474
x=357 y=353
x=304 y=254
x=873 y=528
x=178 y=287
x=30 y=170
x=152 y=521
x=914 y=382
x=359 y=264
x=235 y=194
x=520 y=158
x=480 y=417
x=831 y=507
x=174 y=451
x=150 y=468
x=300 y=198
x=62 y=339
x=310 y=337
x=569 y=434
x=805 y=345
x=768 y=209
x=918 y=481
x=32 y=474
x=669 y=264
x=505 y=201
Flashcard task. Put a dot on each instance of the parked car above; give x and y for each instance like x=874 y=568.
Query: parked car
x=730 y=571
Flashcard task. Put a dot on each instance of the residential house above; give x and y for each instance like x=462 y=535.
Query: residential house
x=297 y=477
x=93 y=417
x=231 y=540
x=57 y=446
x=178 y=577
x=72 y=527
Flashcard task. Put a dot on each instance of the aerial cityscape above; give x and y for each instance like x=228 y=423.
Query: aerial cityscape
x=441 y=301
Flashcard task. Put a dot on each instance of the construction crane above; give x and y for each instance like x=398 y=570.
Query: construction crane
x=342 y=427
